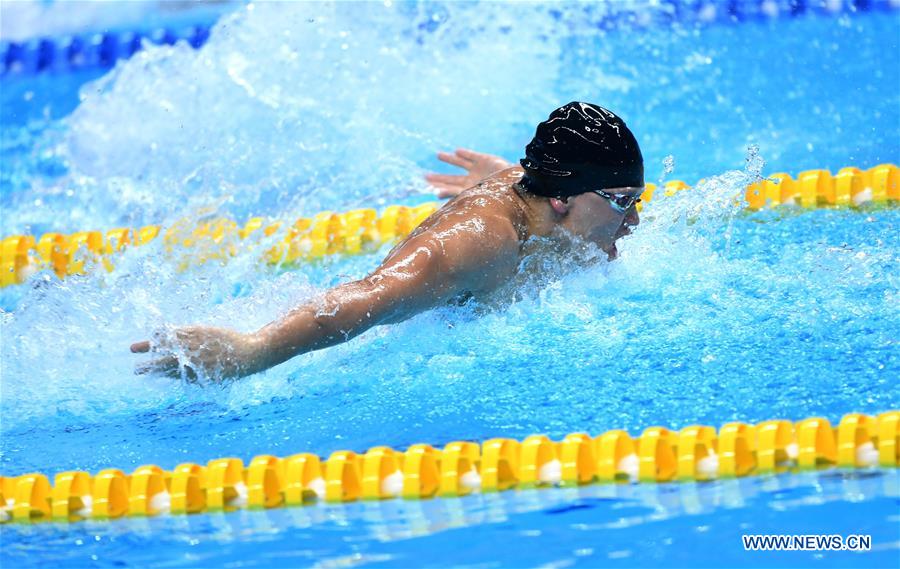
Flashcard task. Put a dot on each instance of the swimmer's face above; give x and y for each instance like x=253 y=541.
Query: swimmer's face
x=595 y=219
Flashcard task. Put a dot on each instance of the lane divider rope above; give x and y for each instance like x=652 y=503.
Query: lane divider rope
x=306 y=239
x=693 y=454
x=92 y=51
x=362 y=230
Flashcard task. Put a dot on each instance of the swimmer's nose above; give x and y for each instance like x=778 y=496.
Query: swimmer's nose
x=632 y=219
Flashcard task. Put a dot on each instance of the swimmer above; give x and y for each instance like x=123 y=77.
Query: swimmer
x=582 y=175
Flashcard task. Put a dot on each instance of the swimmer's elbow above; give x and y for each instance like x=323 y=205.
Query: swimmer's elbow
x=335 y=326
x=397 y=300
x=355 y=308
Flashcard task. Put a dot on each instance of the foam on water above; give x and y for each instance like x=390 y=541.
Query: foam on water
x=306 y=107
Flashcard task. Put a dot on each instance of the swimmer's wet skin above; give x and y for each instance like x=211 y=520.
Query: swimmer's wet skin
x=581 y=176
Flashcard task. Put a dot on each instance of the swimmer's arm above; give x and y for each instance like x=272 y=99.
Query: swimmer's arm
x=341 y=314
x=423 y=272
x=419 y=275
x=394 y=292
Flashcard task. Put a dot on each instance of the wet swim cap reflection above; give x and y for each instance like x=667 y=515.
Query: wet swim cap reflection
x=581 y=147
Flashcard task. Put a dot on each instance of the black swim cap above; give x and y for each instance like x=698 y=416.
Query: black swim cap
x=581 y=147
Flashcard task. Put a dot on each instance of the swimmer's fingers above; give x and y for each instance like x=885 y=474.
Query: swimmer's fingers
x=166 y=365
x=472 y=156
x=444 y=191
x=189 y=336
x=159 y=341
x=448 y=186
x=482 y=165
x=455 y=159
x=447 y=179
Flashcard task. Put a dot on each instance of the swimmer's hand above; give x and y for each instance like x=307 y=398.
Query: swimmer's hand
x=478 y=166
x=211 y=353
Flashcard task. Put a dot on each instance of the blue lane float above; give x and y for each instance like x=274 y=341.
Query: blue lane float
x=99 y=50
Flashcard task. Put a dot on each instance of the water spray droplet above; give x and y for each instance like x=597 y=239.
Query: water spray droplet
x=668 y=168
x=754 y=162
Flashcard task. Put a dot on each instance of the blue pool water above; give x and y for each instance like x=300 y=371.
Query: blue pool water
x=709 y=316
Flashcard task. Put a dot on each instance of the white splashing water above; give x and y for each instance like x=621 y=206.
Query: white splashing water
x=308 y=106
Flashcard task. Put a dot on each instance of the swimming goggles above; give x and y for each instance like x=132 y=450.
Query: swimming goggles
x=619 y=202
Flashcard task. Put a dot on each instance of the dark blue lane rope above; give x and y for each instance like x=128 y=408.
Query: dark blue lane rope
x=88 y=51
x=102 y=50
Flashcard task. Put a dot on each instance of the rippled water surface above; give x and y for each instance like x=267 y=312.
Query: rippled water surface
x=710 y=315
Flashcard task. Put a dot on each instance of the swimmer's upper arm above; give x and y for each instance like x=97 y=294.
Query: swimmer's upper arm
x=483 y=257
x=454 y=257
x=421 y=273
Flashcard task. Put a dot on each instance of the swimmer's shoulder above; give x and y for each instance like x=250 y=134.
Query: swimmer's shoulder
x=489 y=210
x=493 y=195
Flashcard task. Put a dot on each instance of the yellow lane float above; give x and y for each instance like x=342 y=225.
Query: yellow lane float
x=695 y=454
